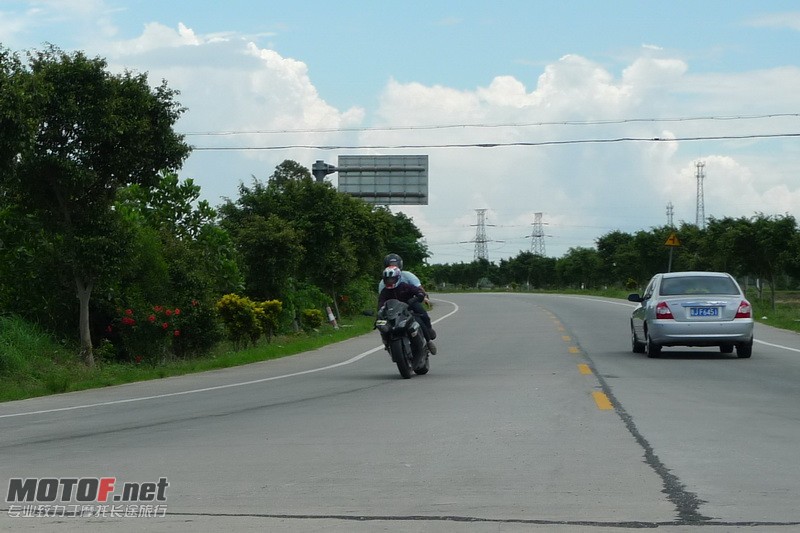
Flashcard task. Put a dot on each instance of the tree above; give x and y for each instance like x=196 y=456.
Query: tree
x=32 y=280
x=172 y=205
x=692 y=252
x=580 y=267
x=271 y=250
x=652 y=253
x=530 y=270
x=295 y=227
x=404 y=239
x=619 y=258
x=289 y=170
x=14 y=114
x=764 y=244
x=200 y=255
x=87 y=133
x=719 y=246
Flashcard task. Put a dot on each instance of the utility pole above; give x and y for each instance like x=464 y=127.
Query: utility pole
x=537 y=236
x=700 y=216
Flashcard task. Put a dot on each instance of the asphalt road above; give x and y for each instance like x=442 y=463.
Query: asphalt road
x=535 y=415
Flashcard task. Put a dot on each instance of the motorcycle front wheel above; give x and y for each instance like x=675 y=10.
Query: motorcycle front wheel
x=401 y=358
x=423 y=369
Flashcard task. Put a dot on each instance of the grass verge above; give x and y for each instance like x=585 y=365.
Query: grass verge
x=32 y=364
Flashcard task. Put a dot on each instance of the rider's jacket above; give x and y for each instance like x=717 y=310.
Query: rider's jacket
x=402 y=291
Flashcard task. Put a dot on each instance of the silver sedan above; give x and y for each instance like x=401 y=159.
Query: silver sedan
x=692 y=309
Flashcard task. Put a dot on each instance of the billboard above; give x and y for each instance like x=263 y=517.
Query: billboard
x=385 y=179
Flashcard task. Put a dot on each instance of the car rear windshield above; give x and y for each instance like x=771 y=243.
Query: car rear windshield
x=697 y=285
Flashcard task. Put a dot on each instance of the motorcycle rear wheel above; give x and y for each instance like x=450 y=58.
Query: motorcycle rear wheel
x=402 y=359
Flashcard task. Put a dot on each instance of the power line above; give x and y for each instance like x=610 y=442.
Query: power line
x=499 y=125
x=499 y=145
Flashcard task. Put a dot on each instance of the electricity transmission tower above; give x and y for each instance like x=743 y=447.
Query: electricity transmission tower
x=481 y=251
x=700 y=216
x=670 y=211
x=537 y=236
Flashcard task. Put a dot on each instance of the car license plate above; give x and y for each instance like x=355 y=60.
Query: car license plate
x=704 y=311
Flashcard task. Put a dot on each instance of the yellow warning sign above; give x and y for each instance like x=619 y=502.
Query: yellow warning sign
x=672 y=240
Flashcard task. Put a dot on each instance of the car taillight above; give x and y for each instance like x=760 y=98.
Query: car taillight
x=663 y=311
x=744 y=311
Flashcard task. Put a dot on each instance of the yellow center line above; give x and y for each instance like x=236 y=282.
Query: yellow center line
x=602 y=401
x=566 y=338
x=584 y=369
x=574 y=349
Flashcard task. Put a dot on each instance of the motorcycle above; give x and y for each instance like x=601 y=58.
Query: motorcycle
x=403 y=337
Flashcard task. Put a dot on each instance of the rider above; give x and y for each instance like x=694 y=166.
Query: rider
x=405 y=276
x=408 y=277
x=393 y=289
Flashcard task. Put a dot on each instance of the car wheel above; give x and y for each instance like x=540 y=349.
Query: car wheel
x=744 y=350
x=726 y=348
x=651 y=348
x=636 y=345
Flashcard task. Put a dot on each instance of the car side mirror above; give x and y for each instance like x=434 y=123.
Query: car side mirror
x=635 y=298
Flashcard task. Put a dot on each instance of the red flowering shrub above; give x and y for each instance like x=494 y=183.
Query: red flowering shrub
x=146 y=335
x=196 y=331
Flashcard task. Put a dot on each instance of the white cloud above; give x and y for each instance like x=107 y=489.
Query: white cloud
x=506 y=91
x=789 y=20
x=649 y=73
x=10 y=27
x=230 y=84
x=61 y=10
x=157 y=36
x=450 y=21
x=584 y=190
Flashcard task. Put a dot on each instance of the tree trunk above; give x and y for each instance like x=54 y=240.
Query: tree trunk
x=335 y=304
x=84 y=293
x=772 y=291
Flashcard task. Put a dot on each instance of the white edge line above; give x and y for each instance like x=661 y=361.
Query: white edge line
x=219 y=387
x=776 y=345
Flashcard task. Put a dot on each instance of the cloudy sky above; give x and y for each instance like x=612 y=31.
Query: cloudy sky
x=593 y=114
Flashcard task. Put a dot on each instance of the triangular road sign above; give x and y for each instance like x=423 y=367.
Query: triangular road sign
x=672 y=240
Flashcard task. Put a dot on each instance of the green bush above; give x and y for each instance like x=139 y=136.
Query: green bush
x=359 y=296
x=238 y=313
x=307 y=297
x=200 y=331
x=312 y=319
x=105 y=351
x=301 y=296
x=246 y=320
x=14 y=336
x=268 y=315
